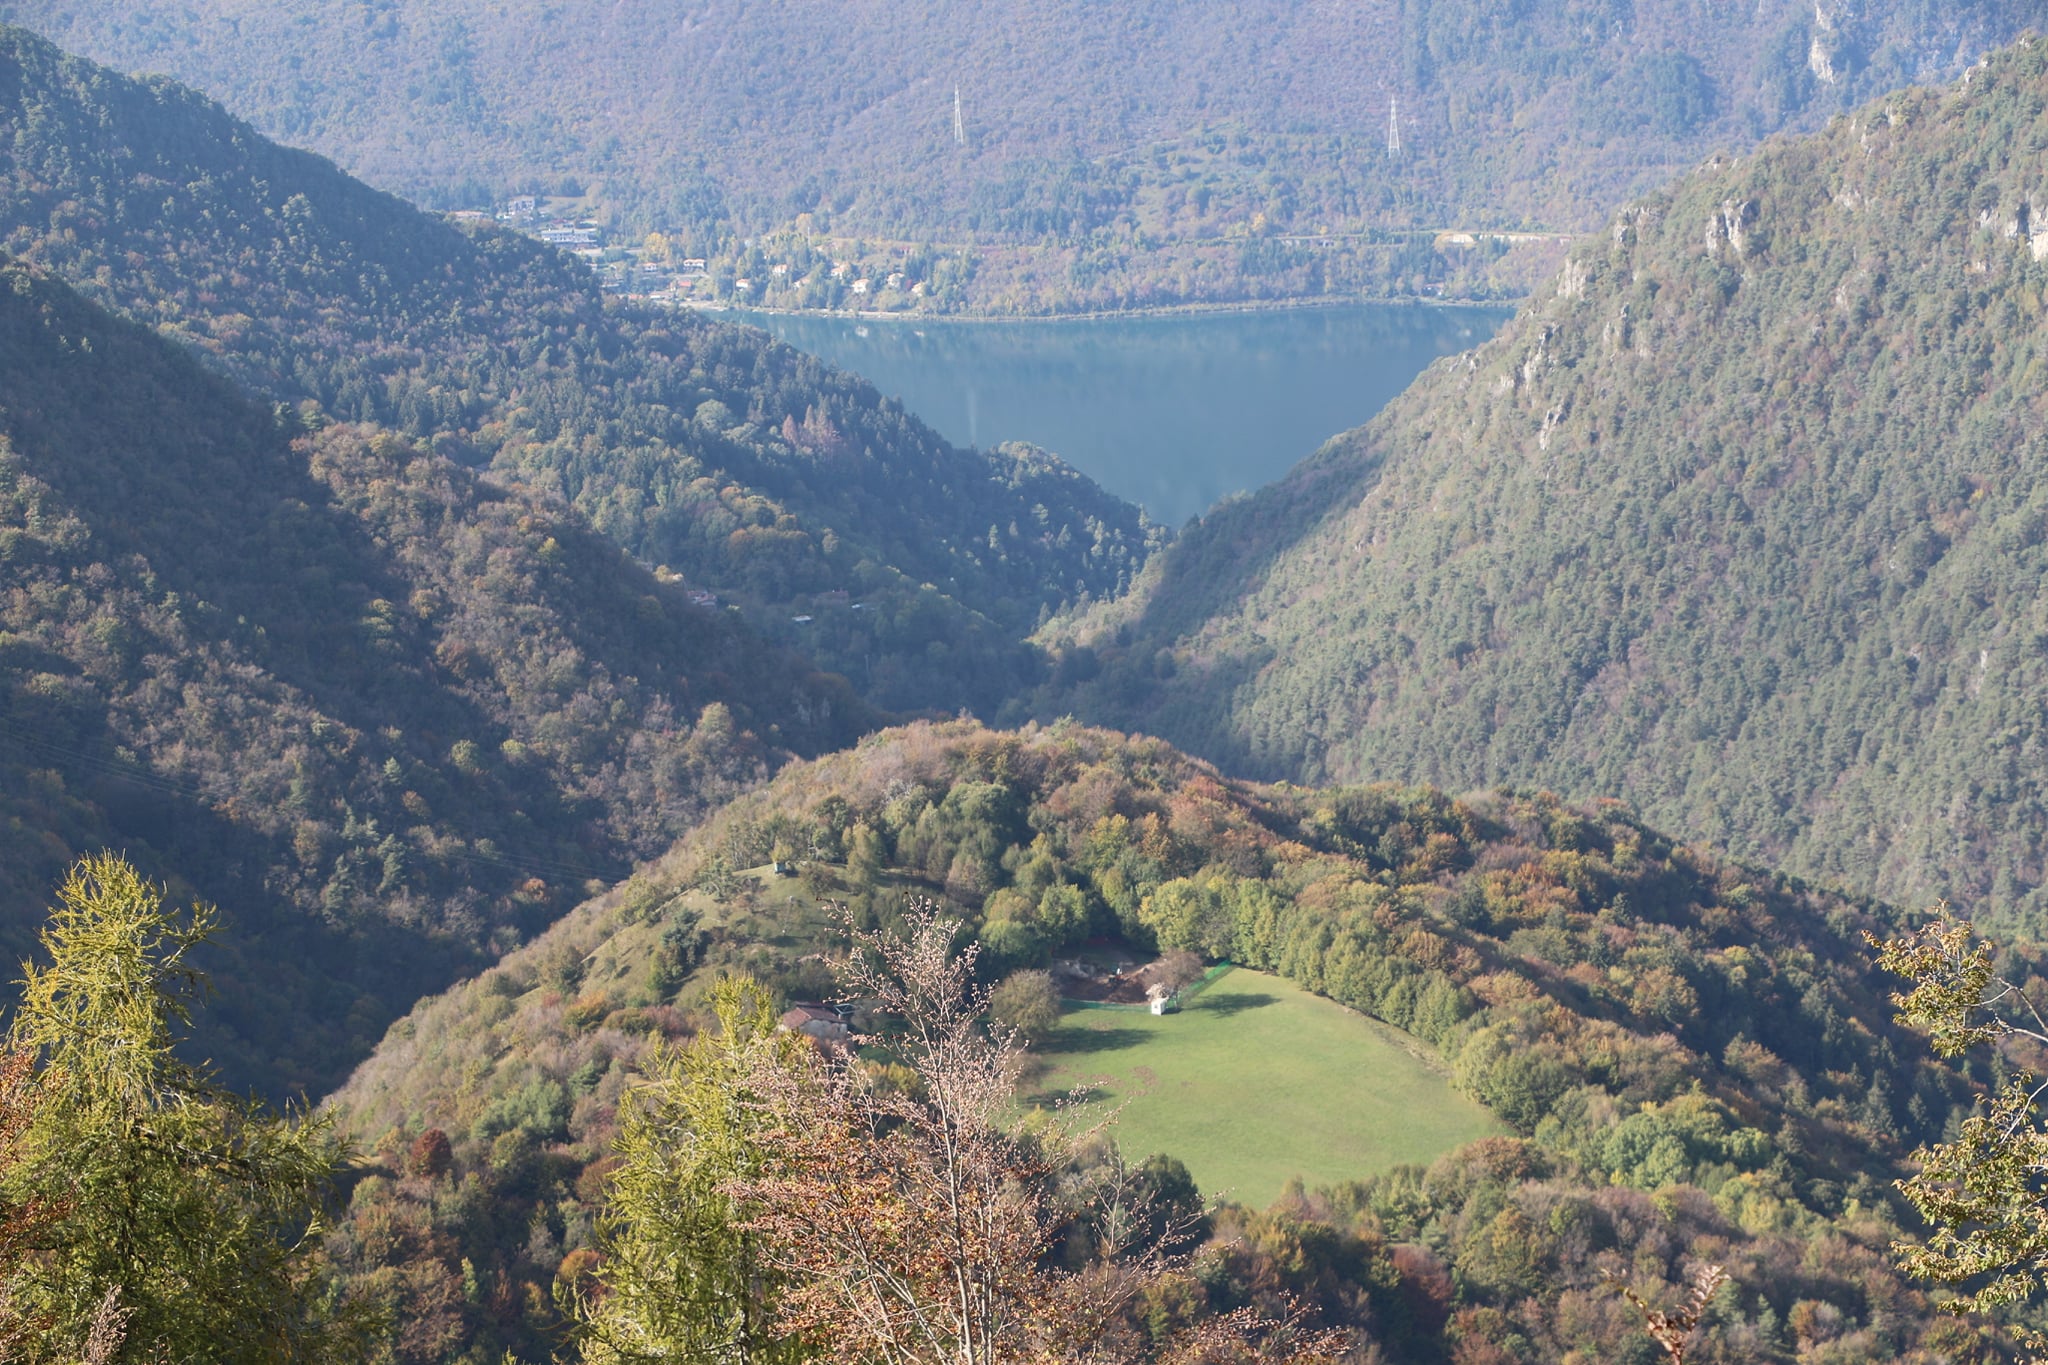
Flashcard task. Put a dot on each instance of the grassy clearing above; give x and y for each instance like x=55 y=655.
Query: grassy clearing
x=1257 y=1081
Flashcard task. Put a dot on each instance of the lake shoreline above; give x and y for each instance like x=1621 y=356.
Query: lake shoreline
x=1172 y=310
x=1172 y=412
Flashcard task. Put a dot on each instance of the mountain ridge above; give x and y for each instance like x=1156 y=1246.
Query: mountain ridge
x=371 y=704
x=758 y=473
x=1556 y=107
x=1731 y=521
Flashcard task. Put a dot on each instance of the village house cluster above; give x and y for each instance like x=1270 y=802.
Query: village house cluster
x=650 y=269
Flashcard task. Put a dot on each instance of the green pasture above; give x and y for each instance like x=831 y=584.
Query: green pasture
x=1256 y=1081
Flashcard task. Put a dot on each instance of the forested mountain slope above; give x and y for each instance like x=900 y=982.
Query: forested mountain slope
x=1742 y=520
x=753 y=470
x=757 y=113
x=390 y=717
x=1651 y=1019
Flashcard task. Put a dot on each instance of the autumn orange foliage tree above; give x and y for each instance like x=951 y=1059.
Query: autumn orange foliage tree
x=916 y=1220
x=22 y=1222
x=1673 y=1330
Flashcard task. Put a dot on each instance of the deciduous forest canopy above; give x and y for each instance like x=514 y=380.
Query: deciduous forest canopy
x=1648 y=1018
x=550 y=689
x=1740 y=521
x=329 y=667
x=386 y=715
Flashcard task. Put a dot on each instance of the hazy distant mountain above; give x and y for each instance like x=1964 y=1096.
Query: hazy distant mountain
x=1547 y=111
x=1742 y=520
x=756 y=472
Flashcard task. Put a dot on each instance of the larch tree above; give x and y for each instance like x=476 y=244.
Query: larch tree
x=682 y=1278
x=1985 y=1193
x=178 y=1221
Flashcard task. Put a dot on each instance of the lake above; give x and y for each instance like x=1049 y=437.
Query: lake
x=1171 y=412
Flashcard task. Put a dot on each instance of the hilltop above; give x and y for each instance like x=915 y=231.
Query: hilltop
x=1141 y=152
x=1740 y=521
x=759 y=475
x=1644 y=1015
x=391 y=717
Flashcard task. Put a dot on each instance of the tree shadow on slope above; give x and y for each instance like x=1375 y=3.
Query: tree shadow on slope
x=1230 y=1006
x=1215 y=565
x=1077 y=1039
x=1132 y=678
x=296 y=1001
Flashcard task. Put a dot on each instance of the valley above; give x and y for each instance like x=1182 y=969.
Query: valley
x=544 y=821
x=1729 y=523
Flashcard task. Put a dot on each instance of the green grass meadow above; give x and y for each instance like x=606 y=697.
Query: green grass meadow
x=1257 y=1081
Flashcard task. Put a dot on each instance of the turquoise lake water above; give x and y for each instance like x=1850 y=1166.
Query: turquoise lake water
x=1171 y=412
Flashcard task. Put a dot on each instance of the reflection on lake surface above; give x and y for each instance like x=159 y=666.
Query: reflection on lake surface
x=1170 y=412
